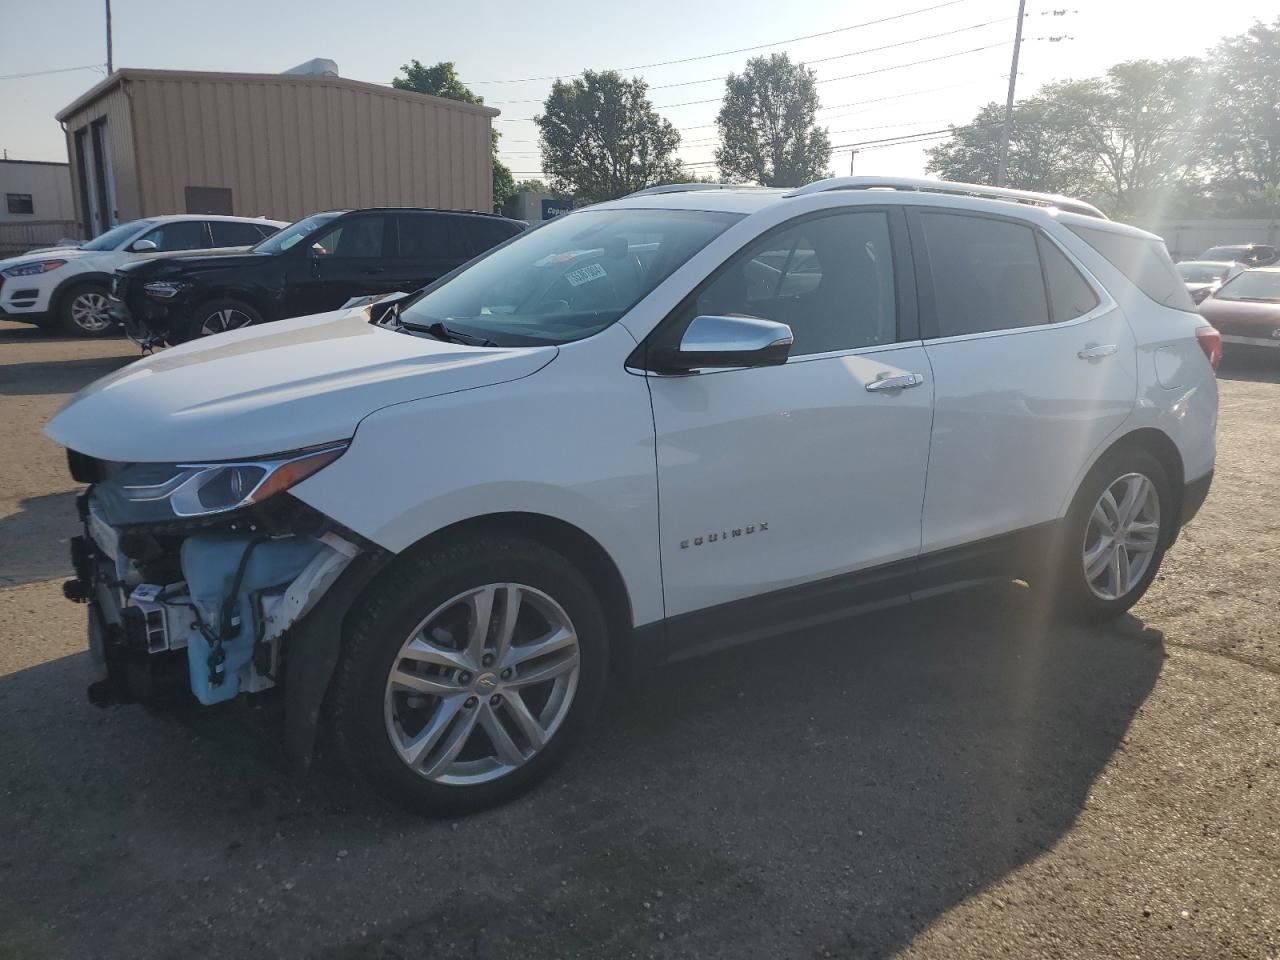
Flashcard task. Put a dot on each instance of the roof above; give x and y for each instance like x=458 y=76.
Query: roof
x=166 y=217
x=105 y=86
x=40 y=163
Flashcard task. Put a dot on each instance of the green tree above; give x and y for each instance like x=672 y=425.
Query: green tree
x=768 y=130
x=441 y=80
x=1240 y=132
x=601 y=137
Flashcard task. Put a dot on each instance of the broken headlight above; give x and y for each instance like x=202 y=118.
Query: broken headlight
x=158 y=492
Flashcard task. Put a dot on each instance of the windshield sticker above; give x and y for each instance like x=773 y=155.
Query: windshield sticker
x=592 y=271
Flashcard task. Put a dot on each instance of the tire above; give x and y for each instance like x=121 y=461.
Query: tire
x=397 y=734
x=1087 y=542
x=81 y=309
x=218 y=316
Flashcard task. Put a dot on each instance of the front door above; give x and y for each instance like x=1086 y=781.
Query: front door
x=352 y=259
x=775 y=477
x=1034 y=369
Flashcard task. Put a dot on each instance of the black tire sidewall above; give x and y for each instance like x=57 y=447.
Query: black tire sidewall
x=379 y=625
x=1074 y=598
x=65 y=324
x=195 y=321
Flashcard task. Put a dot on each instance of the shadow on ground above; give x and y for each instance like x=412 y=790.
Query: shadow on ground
x=42 y=377
x=829 y=794
x=1255 y=366
x=37 y=538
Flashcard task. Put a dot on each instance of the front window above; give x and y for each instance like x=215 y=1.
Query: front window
x=294 y=234
x=117 y=235
x=570 y=278
x=1261 y=285
x=1225 y=253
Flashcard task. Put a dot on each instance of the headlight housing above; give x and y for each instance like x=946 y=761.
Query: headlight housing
x=163 y=289
x=160 y=492
x=32 y=269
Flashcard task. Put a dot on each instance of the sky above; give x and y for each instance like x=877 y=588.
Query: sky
x=926 y=64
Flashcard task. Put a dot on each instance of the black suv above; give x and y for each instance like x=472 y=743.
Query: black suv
x=311 y=266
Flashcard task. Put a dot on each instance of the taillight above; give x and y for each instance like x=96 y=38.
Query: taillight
x=1210 y=341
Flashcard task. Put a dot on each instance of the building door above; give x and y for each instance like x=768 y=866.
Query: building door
x=104 y=189
x=209 y=200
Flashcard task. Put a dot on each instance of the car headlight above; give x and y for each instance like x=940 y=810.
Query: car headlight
x=158 y=492
x=164 y=289
x=32 y=269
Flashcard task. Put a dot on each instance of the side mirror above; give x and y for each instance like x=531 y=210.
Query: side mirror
x=142 y=246
x=712 y=342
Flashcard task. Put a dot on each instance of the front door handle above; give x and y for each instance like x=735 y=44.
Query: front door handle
x=901 y=382
x=1097 y=351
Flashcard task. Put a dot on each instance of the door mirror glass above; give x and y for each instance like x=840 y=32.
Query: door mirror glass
x=142 y=246
x=720 y=342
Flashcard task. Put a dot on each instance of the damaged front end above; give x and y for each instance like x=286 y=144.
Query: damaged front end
x=201 y=578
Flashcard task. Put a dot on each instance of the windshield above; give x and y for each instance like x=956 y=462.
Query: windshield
x=116 y=235
x=1225 y=253
x=294 y=233
x=1253 y=285
x=570 y=278
x=1202 y=272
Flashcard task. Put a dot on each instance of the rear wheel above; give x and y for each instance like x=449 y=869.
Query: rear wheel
x=1114 y=536
x=219 y=316
x=82 y=311
x=468 y=674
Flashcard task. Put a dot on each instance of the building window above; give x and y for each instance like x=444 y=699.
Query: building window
x=20 y=203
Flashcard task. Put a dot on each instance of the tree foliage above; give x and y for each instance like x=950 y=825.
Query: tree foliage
x=602 y=139
x=441 y=80
x=768 y=130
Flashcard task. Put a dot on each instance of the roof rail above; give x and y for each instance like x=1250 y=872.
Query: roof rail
x=688 y=187
x=1067 y=204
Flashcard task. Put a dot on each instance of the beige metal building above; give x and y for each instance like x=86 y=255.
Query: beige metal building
x=149 y=142
x=36 y=209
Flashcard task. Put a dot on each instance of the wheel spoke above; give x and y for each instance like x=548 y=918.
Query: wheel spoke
x=511 y=600
x=1142 y=535
x=546 y=670
x=1134 y=495
x=508 y=752
x=558 y=639
x=529 y=726
x=425 y=739
x=1103 y=519
x=1110 y=508
x=1098 y=557
x=457 y=737
x=424 y=651
x=481 y=605
x=418 y=683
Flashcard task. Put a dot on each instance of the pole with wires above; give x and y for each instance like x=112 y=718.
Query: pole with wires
x=109 y=61
x=1002 y=166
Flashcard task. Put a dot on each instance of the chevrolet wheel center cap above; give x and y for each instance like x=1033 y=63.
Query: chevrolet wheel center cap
x=486 y=681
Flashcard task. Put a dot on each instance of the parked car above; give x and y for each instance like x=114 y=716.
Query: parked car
x=1250 y=254
x=630 y=436
x=1203 y=277
x=1247 y=309
x=314 y=265
x=66 y=287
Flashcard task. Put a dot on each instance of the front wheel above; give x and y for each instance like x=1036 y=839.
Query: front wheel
x=219 y=316
x=468 y=673
x=1114 y=536
x=83 y=311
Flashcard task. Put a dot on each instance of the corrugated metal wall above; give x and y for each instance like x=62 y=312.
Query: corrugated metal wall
x=289 y=146
x=48 y=184
x=118 y=139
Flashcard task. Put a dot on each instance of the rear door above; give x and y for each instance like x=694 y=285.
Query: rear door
x=790 y=476
x=1034 y=367
x=430 y=245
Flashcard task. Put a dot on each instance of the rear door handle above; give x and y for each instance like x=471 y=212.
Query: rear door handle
x=901 y=382
x=1097 y=351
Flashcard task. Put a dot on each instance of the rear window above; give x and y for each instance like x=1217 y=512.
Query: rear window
x=1144 y=261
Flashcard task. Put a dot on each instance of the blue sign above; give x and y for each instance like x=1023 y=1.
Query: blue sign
x=553 y=208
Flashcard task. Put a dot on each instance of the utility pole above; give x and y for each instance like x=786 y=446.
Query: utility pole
x=109 y=63
x=852 y=154
x=1002 y=167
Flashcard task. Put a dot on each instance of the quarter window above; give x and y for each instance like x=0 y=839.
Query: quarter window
x=1070 y=295
x=228 y=233
x=830 y=279
x=1144 y=261
x=986 y=274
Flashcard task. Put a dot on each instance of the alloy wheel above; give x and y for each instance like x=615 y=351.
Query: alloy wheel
x=1122 y=536
x=89 y=312
x=228 y=318
x=482 y=684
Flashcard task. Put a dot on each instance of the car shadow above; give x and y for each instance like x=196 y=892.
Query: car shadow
x=824 y=794
x=1254 y=366
x=45 y=377
x=37 y=538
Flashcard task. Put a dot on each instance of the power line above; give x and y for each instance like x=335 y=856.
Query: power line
x=45 y=73
x=725 y=53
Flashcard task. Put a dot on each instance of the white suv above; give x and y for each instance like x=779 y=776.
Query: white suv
x=643 y=431
x=67 y=286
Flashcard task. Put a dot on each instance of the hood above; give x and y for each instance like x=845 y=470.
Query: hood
x=47 y=253
x=187 y=261
x=1247 y=317
x=273 y=388
x=233 y=254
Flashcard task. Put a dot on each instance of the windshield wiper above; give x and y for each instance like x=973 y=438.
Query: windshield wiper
x=438 y=330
